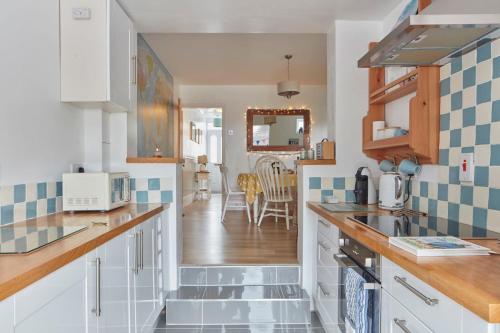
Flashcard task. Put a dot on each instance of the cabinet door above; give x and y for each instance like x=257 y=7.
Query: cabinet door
x=133 y=262
x=119 y=61
x=91 y=299
x=7 y=315
x=133 y=67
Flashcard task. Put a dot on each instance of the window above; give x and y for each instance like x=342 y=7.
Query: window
x=299 y=128
x=214 y=151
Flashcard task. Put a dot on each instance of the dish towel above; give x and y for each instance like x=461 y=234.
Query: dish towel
x=357 y=301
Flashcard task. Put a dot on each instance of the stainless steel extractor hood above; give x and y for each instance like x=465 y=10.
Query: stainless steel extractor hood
x=423 y=40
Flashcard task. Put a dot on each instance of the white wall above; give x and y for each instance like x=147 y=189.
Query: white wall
x=234 y=100
x=39 y=136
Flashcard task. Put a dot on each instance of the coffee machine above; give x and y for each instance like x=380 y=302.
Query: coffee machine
x=364 y=189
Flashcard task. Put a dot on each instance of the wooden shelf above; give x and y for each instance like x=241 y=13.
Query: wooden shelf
x=315 y=162
x=407 y=84
x=167 y=160
x=398 y=141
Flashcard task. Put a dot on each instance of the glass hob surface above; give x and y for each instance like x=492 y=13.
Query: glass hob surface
x=24 y=238
x=418 y=225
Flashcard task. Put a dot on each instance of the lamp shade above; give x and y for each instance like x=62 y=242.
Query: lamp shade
x=202 y=159
x=288 y=88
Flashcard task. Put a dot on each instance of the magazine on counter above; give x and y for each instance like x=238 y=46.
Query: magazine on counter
x=434 y=246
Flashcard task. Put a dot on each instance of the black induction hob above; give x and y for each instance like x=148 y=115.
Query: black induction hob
x=413 y=225
x=24 y=238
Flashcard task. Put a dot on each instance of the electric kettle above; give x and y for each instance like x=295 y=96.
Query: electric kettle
x=391 y=191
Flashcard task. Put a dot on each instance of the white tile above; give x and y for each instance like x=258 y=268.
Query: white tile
x=495 y=48
x=468 y=136
x=465 y=214
x=455 y=155
x=493 y=220
x=454 y=193
x=495 y=133
x=456 y=82
x=444 y=139
x=482 y=155
x=59 y=204
x=326 y=183
x=443 y=173
x=31 y=192
x=416 y=188
x=154 y=196
x=20 y=211
x=469 y=97
x=141 y=184
x=6 y=195
x=315 y=195
x=166 y=184
x=424 y=205
x=481 y=195
x=433 y=190
x=445 y=104
x=442 y=209
x=340 y=195
x=469 y=59
x=494 y=179
x=495 y=89
x=41 y=207
x=484 y=71
x=445 y=71
x=483 y=113
x=51 y=189
x=349 y=183
x=456 y=119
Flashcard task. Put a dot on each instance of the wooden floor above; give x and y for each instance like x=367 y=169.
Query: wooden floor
x=207 y=241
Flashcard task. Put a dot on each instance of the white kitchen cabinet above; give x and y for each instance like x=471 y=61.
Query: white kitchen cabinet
x=7 y=315
x=97 y=54
x=396 y=318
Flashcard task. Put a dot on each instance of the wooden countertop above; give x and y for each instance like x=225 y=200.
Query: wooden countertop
x=315 y=162
x=167 y=160
x=18 y=271
x=472 y=281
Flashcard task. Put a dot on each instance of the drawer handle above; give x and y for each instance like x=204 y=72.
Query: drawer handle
x=402 y=325
x=427 y=300
x=323 y=289
x=328 y=225
x=324 y=246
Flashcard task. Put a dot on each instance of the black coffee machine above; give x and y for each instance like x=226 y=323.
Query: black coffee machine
x=361 y=187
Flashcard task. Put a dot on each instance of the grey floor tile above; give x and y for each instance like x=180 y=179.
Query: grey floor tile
x=196 y=276
x=242 y=292
x=249 y=275
x=187 y=293
x=287 y=274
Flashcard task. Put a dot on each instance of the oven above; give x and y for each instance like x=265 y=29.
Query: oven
x=359 y=287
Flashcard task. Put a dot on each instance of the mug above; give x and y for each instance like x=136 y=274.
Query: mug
x=409 y=167
x=387 y=166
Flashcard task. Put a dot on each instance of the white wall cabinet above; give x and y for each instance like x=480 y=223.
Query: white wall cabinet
x=98 y=54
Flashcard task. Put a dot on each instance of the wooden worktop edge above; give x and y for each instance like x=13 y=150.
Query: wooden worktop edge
x=22 y=281
x=315 y=162
x=475 y=299
x=166 y=160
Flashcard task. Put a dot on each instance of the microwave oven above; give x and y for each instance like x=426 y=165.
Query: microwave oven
x=99 y=191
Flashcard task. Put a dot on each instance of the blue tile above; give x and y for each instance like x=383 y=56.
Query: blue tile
x=7 y=214
x=51 y=206
x=41 y=190
x=444 y=123
x=483 y=134
x=496 y=67
x=59 y=189
x=433 y=207
x=132 y=184
x=326 y=193
x=443 y=192
x=453 y=228
x=349 y=196
x=153 y=184
x=456 y=101
x=167 y=197
x=478 y=232
x=415 y=203
x=466 y=195
x=467 y=149
x=481 y=175
x=469 y=117
x=454 y=175
x=483 y=93
x=19 y=193
x=424 y=189
x=483 y=52
x=469 y=77
x=339 y=183
x=494 y=199
x=453 y=211
x=456 y=137
x=495 y=155
x=456 y=65
x=432 y=222
x=479 y=217
x=315 y=183
x=496 y=111
x=444 y=156
x=445 y=87
x=31 y=209
x=142 y=196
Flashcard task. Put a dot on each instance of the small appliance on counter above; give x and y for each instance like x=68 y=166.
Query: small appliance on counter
x=391 y=191
x=364 y=189
x=99 y=191
x=325 y=150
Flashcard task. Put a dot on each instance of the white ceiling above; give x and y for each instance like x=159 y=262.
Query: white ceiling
x=250 y=16
x=239 y=59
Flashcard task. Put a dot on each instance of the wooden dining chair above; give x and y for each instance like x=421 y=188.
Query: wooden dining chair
x=273 y=173
x=228 y=192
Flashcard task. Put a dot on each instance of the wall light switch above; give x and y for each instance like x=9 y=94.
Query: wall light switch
x=81 y=13
x=230 y=132
x=466 y=167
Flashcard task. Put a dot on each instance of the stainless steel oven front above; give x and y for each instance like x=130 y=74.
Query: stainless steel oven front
x=359 y=287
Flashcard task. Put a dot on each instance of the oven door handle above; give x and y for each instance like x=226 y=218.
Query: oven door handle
x=345 y=262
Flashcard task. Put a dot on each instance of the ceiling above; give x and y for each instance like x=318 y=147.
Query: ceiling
x=250 y=16
x=241 y=59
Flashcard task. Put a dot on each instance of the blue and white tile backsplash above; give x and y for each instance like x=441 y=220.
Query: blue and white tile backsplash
x=341 y=187
x=470 y=122
x=153 y=190
x=24 y=201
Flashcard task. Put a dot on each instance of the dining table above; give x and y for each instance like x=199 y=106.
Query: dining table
x=250 y=184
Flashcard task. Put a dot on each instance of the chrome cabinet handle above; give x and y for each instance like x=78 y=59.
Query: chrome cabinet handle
x=324 y=246
x=328 y=225
x=323 y=289
x=97 y=309
x=429 y=301
x=136 y=259
x=142 y=249
x=402 y=325
x=134 y=71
